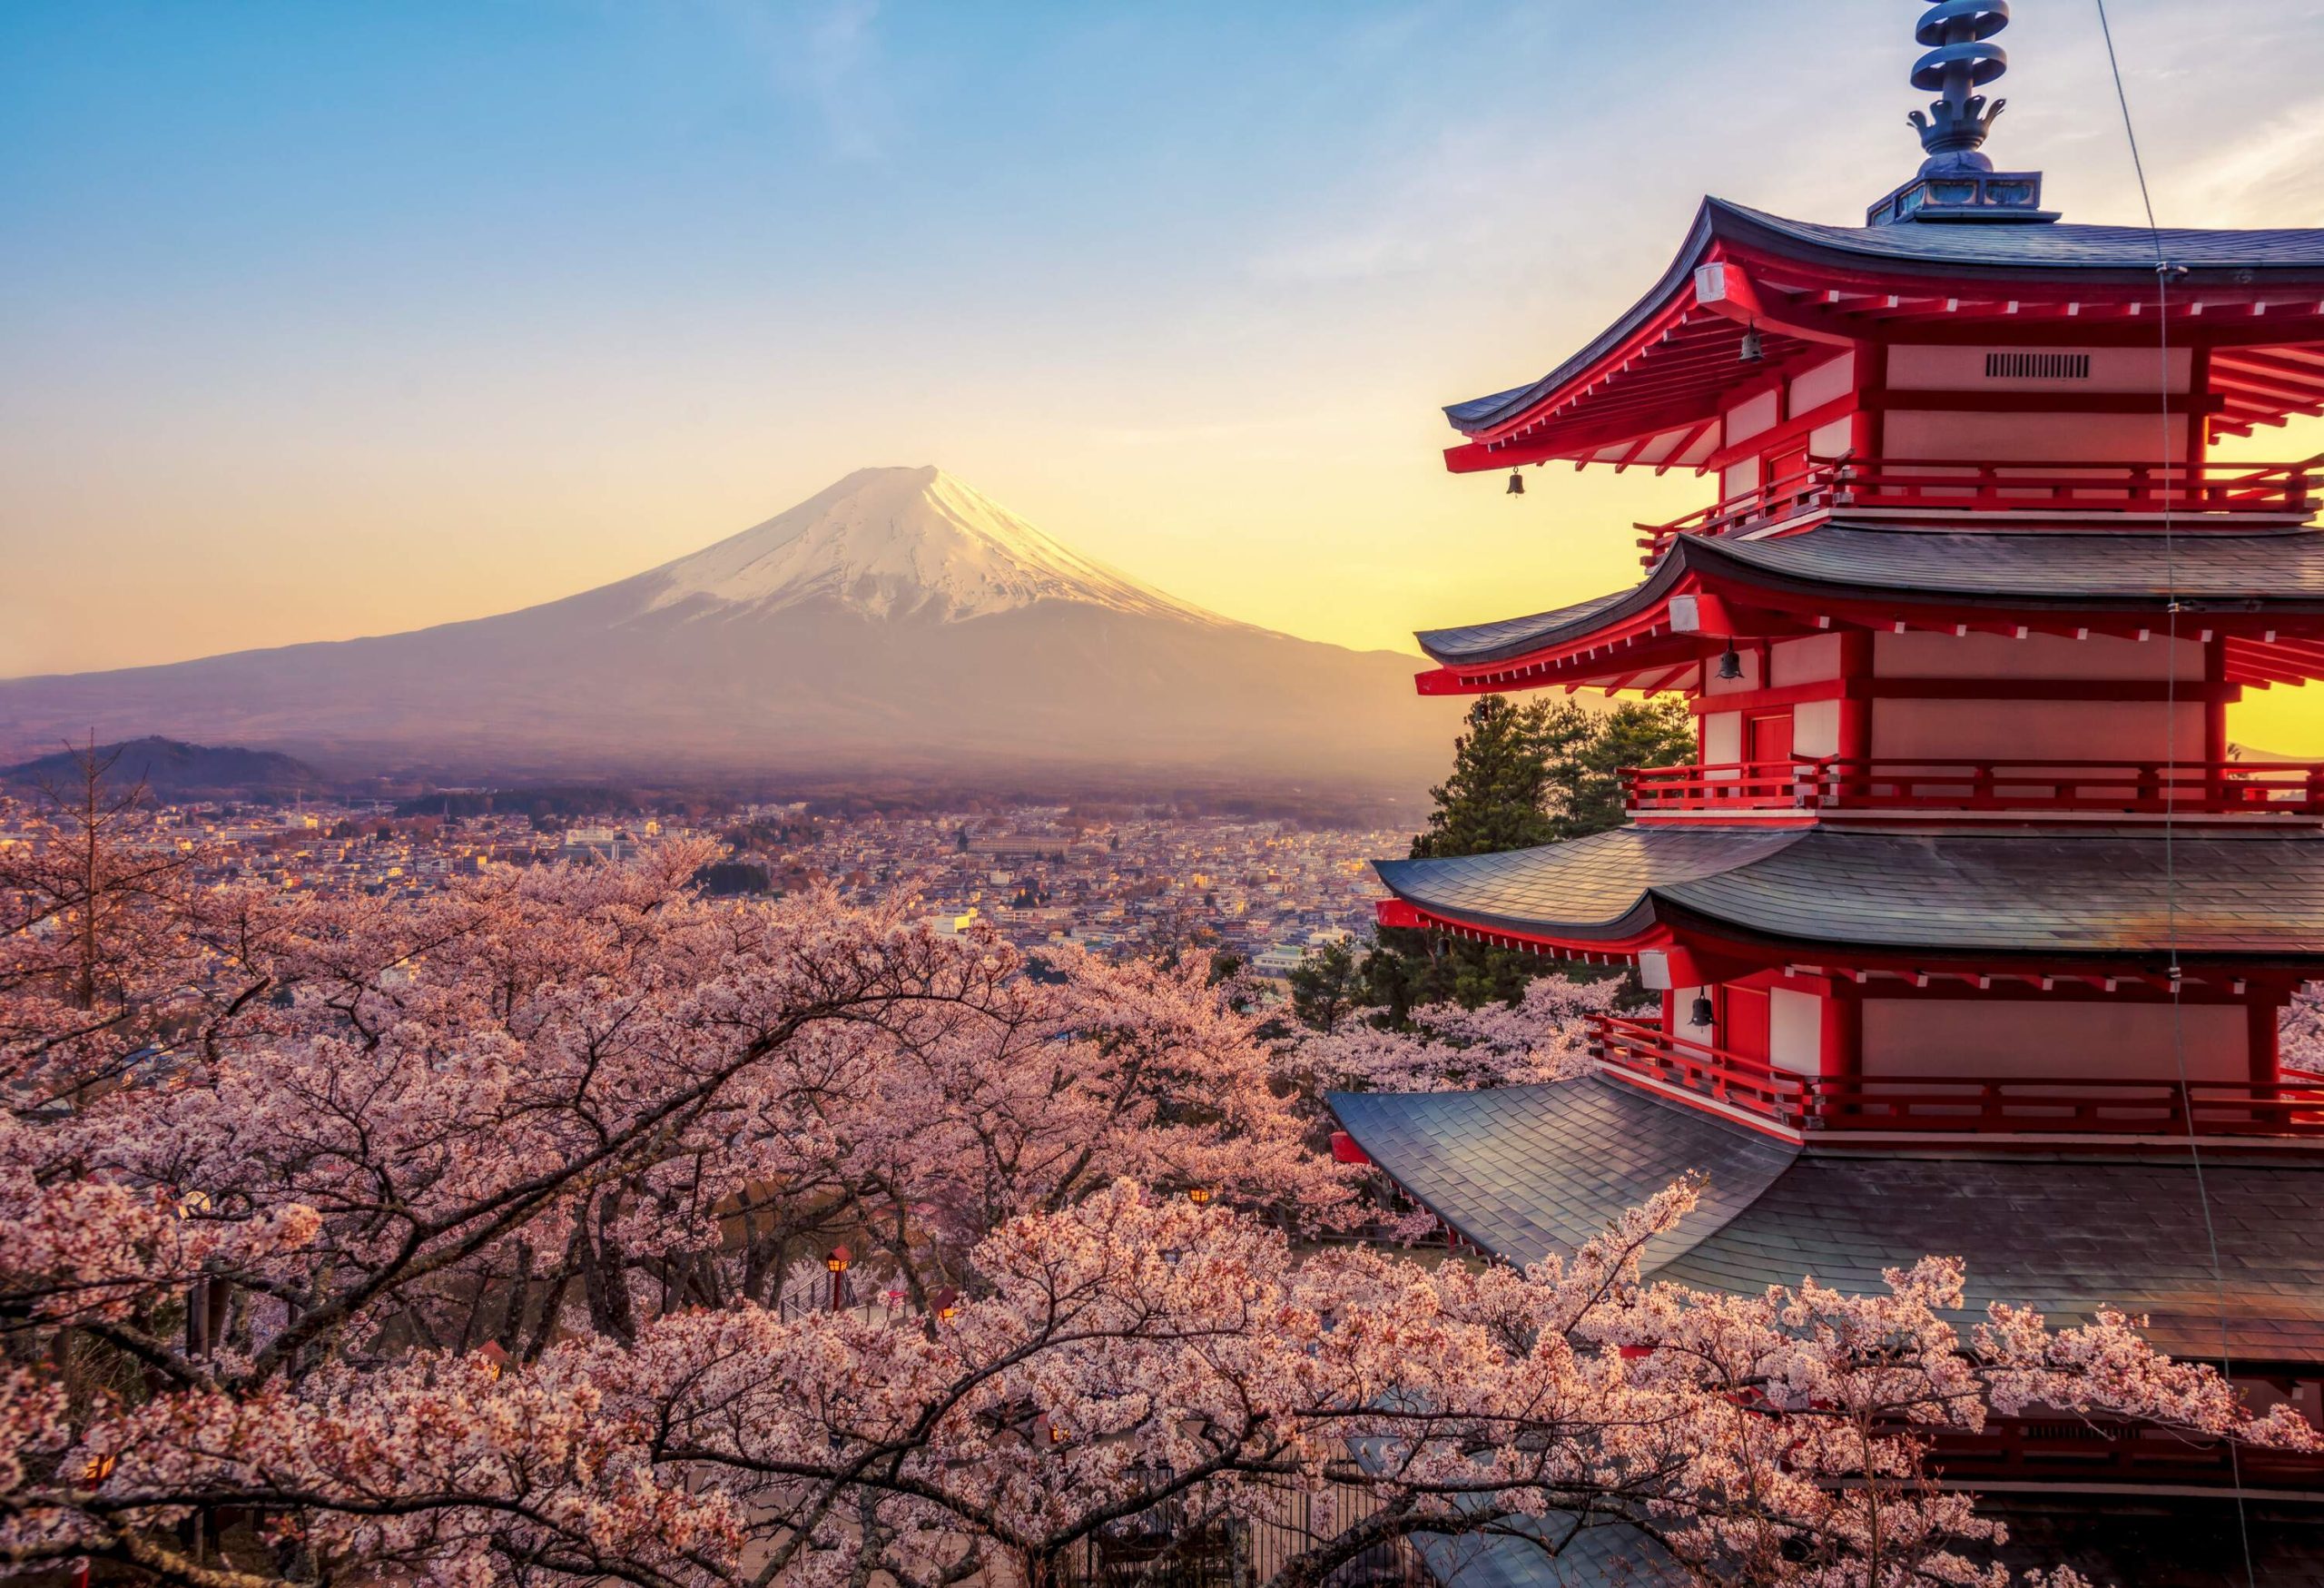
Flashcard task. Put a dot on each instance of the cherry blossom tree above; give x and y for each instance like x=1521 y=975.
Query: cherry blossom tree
x=110 y=955
x=449 y=1240
x=2300 y=1031
x=1544 y=1036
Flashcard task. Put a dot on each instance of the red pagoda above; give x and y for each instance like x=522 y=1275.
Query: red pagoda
x=1971 y=931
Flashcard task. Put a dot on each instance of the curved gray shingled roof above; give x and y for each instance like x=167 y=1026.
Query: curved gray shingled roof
x=2098 y=252
x=1593 y=886
x=1513 y=637
x=2272 y=571
x=2295 y=250
x=1526 y=1172
x=1531 y=1171
x=2065 y=1236
x=2184 y=1542
x=2085 y=893
x=1607 y=1554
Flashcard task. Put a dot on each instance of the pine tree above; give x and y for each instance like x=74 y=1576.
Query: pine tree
x=1541 y=773
x=1585 y=768
x=1495 y=799
x=1323 y=987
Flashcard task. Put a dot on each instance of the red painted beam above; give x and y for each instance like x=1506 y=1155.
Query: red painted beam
x=1724 y=287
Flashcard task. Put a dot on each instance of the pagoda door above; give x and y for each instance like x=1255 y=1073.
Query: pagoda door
x=1786 y=473
x=1766 y=745
x=1744 y=1031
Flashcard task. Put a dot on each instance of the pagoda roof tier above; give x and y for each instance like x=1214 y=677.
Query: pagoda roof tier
x=1530 y=1172
x=2263 y=590
x=2183 y=1542
x=1642 y=390
x=2252 y=901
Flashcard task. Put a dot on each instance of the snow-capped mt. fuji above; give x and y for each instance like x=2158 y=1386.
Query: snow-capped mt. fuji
x=897 y=622
x=902 y=543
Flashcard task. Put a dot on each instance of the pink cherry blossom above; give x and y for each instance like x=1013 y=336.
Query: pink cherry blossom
x=1544 y=1037
x=486 y=1240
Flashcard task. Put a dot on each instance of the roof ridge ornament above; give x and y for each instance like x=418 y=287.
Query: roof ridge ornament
x=1956 y=181
x=1961 y=57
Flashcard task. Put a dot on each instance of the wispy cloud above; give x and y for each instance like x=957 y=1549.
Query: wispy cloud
x=2271 y=175
x=824 y=54
x=840 y=63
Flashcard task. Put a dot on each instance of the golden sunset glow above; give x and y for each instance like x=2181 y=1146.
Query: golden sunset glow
x=348 y=373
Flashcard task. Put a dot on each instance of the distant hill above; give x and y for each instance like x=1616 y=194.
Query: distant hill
x=170 y=767
x=898 y=623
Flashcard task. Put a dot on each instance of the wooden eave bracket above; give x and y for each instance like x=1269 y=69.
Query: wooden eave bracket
x=1723 y=288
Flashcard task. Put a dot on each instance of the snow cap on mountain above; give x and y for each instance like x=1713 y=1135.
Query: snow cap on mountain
x=903 y=543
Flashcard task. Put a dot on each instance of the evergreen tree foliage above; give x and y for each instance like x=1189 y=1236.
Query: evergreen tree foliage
x=1497 y=797
x=1543 y=772
x=1324 y=988
x=1587 y=759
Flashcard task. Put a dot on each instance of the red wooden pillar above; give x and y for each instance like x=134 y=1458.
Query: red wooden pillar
x=1854 y=740
x=2198 y=422
x=2266 y=1058
x=2214 y=716
x=1842 y=1036
x=1865 y=436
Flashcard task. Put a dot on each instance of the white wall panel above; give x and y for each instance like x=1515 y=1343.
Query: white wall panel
x=2027 y=731
x=2044 y=438
x=1913 y=368
x=1722 y=738
x=1816 y=729
x=1820 y=385
x=1796 y=1031
x=1804 y=661
x=2068 y=1039
x=1920 y=654
x=1746 y=420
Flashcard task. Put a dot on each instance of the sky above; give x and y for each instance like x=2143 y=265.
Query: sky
x=325 y=318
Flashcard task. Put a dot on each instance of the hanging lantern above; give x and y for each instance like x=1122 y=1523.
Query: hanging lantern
x=1516 y=483
x=1730 y=665
x=1198 y=1195
x=1751 y=352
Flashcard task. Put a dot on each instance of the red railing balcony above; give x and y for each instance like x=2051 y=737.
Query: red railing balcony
x=2144 y=788
x=2207 y=493
x=1771 y=503
x=2076 y=1449
x=2019 y=1105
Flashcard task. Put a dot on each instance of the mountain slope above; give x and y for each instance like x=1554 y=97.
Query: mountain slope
x=169 y=768
x=903 y=542
x=898 y=621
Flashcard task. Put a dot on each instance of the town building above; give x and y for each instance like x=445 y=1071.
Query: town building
x=1970 y=931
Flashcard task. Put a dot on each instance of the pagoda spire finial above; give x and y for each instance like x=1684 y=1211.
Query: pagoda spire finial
x=1956 y=181
x=1962 y=58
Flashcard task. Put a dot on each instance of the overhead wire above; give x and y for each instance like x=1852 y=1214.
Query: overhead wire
x=2164 y=272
